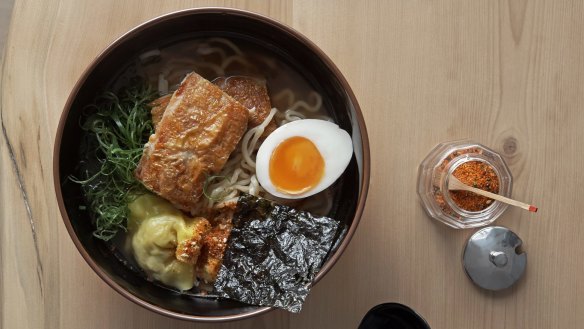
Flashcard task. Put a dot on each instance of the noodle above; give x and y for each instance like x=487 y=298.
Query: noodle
x=211 y=50
x=233 y=59
x=227 y=43
x=294 y=108
x=216 y=68
x=162 y=85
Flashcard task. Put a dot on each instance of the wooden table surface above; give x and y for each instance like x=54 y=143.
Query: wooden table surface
x=509 y=74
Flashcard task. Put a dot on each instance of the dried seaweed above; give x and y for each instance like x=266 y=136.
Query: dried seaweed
x=274 y=253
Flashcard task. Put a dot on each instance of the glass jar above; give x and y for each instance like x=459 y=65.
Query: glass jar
x=435 y=171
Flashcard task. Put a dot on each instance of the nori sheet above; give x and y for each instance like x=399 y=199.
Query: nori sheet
x=273 y=254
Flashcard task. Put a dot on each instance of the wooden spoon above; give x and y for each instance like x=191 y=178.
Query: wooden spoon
x=455 y=184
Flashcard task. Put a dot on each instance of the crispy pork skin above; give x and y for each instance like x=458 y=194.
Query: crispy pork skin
x=199 y=129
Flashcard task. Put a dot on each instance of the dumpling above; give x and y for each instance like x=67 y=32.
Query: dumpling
x=164 y=242
x=154 y=246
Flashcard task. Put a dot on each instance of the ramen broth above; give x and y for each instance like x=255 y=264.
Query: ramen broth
x=164 y=68
x=218 y=57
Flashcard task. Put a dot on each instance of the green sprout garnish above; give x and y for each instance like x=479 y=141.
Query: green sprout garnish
x=117 y=129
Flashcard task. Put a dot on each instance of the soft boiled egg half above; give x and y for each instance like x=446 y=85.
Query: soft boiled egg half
x=302 y=158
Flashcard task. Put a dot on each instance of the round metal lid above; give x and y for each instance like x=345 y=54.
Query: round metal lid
x=491 y=260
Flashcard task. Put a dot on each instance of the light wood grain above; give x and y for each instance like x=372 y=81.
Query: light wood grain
x=509 y=74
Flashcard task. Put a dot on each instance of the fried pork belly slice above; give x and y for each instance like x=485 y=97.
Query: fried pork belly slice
x=251 y=93
x=198 y=131
x=158 y=107
x=190 y=240
x=214 y=245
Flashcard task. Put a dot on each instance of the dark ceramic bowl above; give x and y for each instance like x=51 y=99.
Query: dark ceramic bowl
x=282 y=41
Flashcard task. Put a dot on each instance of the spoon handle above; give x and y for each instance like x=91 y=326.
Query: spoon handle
x=455 y=184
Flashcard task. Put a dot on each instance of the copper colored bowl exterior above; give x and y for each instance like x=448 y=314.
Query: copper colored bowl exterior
x=202 y=22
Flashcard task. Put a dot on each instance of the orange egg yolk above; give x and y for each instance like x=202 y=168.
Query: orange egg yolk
x=296 y=165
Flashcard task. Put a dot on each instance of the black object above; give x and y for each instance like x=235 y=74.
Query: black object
x=393 y=316
x=273 y=254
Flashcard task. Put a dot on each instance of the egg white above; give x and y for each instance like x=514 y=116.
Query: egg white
x=333 y=143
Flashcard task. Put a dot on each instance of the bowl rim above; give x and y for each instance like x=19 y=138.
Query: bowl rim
x=365 y=177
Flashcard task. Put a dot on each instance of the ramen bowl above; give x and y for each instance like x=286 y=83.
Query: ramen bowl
x=285 y=44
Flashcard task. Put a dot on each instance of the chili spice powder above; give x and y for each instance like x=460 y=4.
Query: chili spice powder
x=476 y=174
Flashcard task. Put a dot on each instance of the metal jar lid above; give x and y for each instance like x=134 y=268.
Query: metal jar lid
x=490 y=258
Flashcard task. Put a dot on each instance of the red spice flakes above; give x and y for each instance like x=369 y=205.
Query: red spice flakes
x=476 y=174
